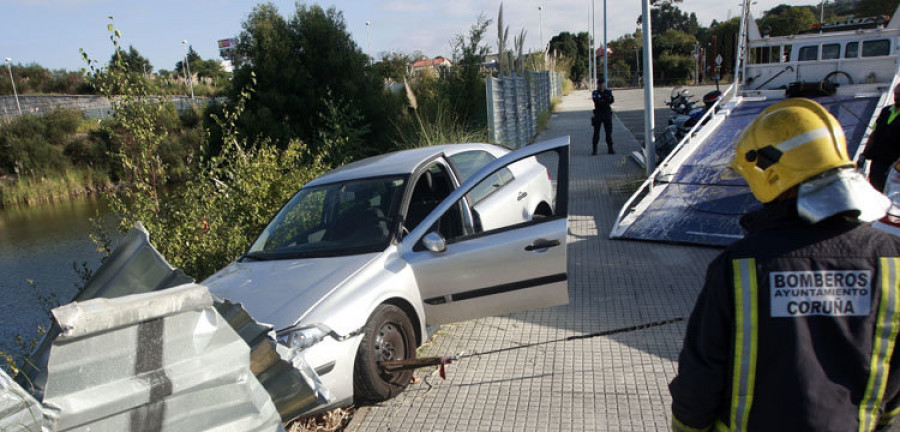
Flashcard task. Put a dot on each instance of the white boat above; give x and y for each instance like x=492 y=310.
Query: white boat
x=692 y=197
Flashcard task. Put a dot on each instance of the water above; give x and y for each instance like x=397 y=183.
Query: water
x=41 y=243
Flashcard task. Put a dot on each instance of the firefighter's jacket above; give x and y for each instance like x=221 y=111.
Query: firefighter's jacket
x=794 y=330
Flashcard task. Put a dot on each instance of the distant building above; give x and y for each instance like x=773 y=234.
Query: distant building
x=490 y=62
x=430 y=66
x=226 y=51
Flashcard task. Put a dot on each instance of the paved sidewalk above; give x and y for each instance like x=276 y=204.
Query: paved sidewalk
x=614 y=383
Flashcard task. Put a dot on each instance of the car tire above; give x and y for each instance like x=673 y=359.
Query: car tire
x=388 y=335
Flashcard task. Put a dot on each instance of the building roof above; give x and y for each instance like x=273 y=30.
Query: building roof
x=437 y=61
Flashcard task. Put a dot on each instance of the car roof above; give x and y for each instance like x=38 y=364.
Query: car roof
x=400 y=162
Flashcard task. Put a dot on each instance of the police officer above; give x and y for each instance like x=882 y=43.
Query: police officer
x=602 y=116
x=796 y=324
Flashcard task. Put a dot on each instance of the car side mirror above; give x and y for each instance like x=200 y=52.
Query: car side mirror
x=434 y=242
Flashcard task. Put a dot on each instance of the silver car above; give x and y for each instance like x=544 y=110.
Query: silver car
x=352 y=269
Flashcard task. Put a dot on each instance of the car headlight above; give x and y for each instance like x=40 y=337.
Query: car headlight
x=302 y=337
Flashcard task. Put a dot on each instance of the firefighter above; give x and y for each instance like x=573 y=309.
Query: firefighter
x=795 y=327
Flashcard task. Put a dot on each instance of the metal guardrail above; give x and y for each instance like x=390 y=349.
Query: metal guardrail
x=144 y=348
x=161 y=361
x=514 y=102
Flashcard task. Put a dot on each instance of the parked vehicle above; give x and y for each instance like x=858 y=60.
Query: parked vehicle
x=352 y=269
x=687 y=115
x=849 y=67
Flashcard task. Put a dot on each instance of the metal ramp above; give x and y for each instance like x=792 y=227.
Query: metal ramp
x=695 y=198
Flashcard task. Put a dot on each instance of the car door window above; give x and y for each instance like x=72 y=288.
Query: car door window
x=534 y=197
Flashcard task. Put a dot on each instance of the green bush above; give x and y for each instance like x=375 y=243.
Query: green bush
x=34 y=145
x=226 y=199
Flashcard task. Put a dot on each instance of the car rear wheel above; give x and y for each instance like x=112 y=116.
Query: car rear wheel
x=388 y=335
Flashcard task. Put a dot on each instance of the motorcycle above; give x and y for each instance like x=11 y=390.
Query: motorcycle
x=685 y=118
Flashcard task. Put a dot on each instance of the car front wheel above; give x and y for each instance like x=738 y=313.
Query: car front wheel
x=388 y=335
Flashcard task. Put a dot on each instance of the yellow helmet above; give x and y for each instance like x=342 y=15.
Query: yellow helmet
x=788 y=143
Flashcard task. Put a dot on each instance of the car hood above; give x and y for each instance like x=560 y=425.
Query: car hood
x=279 y=292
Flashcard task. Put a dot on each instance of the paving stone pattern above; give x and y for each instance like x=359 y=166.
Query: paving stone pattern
x=522 y=375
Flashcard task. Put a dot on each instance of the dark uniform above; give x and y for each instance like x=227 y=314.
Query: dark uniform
x=883 y=148
x=603 y=100
x=794 y=330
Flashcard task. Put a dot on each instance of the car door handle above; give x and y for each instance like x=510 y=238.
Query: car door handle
x=542 y=244
x=521 y=196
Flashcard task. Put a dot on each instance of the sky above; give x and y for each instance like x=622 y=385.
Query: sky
x=50 y=32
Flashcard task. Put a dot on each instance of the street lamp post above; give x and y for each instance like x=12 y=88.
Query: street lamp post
x=369 y=41
x=541 y=28
x=13 y=82
x=649 y=120
x=188 y=68
x=605 y=49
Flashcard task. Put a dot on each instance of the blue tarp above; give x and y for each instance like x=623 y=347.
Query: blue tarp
x=702 y=201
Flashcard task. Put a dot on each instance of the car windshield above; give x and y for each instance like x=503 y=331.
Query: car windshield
x=334 y=219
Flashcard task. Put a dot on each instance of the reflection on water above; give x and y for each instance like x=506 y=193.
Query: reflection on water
x=41 y=243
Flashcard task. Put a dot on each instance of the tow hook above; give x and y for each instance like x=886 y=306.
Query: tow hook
x=391 y=366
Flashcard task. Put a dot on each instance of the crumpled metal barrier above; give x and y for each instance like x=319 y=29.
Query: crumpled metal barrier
x=18 y=410
x=145 y=356
x=294 y=386
x=160 y=361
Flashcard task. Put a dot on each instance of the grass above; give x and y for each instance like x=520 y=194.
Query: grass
x=567 y=87
x=443 y=128
x=29 y=190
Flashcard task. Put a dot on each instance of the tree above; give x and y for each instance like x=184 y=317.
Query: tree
x=666 y=16
x=868 y=8
x=785 y=20
x=725 y=36
x=193 y=61
x=575 y=48
x=132 y=61
x=393 y=67
x=305 y=67
x=465 y=84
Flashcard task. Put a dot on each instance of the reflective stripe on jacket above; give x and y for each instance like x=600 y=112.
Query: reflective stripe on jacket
x=794 y=330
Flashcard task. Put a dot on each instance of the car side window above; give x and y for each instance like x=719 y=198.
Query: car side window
x=469 y=162
x=487 y=186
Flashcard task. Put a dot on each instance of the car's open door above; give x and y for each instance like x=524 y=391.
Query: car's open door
x=505 y=269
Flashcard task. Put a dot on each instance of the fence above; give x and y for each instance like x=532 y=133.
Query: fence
x=514 y=102
x=94 y=107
